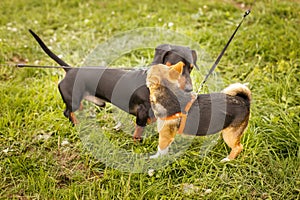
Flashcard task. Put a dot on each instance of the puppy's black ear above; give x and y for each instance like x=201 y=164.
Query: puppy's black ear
x=160 y=53
x=194 y=55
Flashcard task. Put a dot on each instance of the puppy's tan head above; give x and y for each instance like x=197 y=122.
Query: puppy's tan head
x=158 y=74
x=164 y=85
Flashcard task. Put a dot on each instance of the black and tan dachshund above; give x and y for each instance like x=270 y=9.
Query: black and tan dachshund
x=125 y=89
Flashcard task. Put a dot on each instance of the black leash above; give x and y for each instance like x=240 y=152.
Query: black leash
x=222 y=52
x=68 y=67
x=38 y=66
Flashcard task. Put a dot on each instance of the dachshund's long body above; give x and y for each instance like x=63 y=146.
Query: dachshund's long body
x=125 y=89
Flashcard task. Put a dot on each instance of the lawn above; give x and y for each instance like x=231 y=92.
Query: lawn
x=43 y=157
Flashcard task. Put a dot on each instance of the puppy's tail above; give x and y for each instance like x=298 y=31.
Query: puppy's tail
x=238 y=89
x=49 y=52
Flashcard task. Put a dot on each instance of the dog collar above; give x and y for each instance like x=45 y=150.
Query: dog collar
x=182 y=115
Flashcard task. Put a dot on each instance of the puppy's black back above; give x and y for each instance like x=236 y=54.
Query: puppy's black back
x=213 y=112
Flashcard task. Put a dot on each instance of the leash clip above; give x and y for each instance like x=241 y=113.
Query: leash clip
x=247 y=13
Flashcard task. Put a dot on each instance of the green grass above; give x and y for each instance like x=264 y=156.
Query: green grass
x=34 y=162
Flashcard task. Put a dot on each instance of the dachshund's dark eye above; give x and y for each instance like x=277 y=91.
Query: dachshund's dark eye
x=191 y=67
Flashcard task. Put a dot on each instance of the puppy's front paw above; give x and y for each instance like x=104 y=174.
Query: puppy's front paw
x=160 y=152
x=155 y=155
x=225 y=159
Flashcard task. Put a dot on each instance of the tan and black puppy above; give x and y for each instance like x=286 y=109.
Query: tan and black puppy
x=178 y=111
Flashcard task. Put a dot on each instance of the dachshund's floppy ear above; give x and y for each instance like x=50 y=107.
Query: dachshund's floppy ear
x=176 y=70
x=194 y=55
x=160 y=53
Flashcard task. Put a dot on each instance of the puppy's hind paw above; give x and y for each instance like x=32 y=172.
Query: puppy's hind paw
x=225 y=160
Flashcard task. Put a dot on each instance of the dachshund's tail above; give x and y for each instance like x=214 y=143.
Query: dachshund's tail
x=66 y=66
